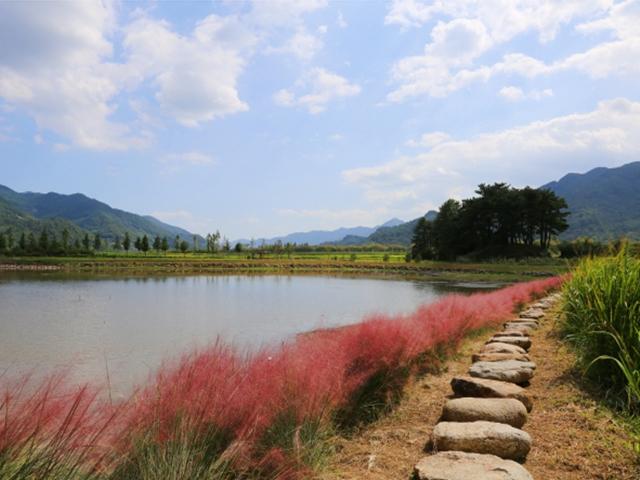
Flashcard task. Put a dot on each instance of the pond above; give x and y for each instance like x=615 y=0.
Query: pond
x=126 y=326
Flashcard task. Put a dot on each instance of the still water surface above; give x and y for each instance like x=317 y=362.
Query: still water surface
x=127 y=325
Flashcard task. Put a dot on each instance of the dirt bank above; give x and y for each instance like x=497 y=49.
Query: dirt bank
x=574 y=436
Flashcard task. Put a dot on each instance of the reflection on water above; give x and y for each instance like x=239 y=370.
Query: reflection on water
x=128 y=325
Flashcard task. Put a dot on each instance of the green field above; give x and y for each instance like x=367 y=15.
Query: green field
x=348 y=262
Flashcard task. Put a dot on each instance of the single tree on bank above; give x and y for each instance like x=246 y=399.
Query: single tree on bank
x=126 y=243
x=144 y=244
x=157 y=243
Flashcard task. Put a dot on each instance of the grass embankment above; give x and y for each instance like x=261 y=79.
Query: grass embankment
x=602 y=322
x=356 y=262
x=217 y=414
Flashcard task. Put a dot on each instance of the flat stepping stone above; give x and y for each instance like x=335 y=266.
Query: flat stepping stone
x=515 y=324
x=498 y=357
x=466 y=386
x=500 y=347
x=499 y=410
x=511 y=371
x=468 y=466
x=493 y=438
x=522 y=342
x=543 y=304
x=518 y=327
x=534 y=313
x=511 y=333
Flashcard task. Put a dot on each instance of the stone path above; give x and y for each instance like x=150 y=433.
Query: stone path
x=479 y=435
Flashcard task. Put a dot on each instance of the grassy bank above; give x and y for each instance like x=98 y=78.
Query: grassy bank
x=350 y=262
x=219 y=414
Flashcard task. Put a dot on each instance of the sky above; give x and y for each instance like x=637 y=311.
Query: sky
x=260 y=118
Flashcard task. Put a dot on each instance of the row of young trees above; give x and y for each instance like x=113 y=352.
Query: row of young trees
x=48 y=243
x=498 y=218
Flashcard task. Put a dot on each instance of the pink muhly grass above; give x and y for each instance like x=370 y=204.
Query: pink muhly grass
x=48 y=429
x=275 y=406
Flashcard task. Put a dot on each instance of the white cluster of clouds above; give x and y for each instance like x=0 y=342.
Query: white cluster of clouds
x=53 y=65
x=450 y=60
x=320 y=87
x=527 y=155
x=516 y=94
x=58 y=64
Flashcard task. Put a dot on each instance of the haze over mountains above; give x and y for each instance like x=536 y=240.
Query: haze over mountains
x=604 y=203
x=318 y=237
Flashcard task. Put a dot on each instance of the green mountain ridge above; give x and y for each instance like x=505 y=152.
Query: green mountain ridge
x=31 y=212
x=604 y=203
x=17 y=222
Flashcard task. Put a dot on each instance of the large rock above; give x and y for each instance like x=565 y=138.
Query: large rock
x=499 y=347
x=522 y=342
x=499 y=410
x=493 y=438
x=468 y=466
x=511 y=371
x=534 y=313
x=465 y=386
x=498 y=357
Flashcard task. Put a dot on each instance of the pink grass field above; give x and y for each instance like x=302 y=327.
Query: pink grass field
x=310 y=378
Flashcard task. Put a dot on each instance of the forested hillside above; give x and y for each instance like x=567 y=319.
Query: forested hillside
x=604 y=203
x=32 y=212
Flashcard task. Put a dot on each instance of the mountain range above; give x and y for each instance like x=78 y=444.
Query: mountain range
x=31 y=212
x=604 y=203
x=318 y=237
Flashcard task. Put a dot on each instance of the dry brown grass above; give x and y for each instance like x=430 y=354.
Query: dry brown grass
x=574 y=436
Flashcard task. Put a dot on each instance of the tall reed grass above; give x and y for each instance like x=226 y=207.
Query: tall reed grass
x=602 y=320
x=220 y=414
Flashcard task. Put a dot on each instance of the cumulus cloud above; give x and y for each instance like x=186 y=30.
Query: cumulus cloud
x=503 y=19
x=60 y=74
x=194 y=77
x=79 y=73
x=531 y=154
x=448 y=61
x=318 y=87
x=301 y=44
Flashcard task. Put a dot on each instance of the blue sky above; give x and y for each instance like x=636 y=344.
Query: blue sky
x=266 y=117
